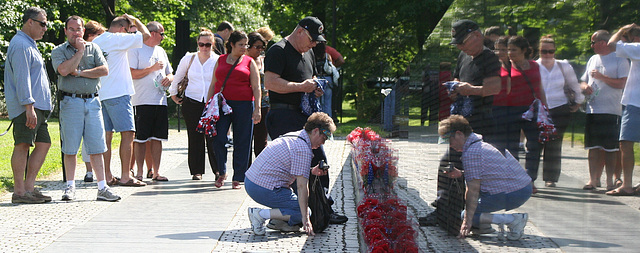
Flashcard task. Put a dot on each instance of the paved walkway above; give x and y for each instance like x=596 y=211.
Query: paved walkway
x=193 y=216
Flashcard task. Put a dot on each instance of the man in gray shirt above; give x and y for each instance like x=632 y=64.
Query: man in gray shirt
x=28 y=102
x=79 y=65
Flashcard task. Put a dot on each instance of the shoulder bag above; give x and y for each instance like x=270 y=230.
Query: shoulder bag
x=570 y=93
x=182 y=85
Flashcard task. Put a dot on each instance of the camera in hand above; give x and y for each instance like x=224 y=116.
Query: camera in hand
x=323 y=165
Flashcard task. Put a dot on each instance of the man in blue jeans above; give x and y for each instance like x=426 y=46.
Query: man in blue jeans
x=494 y=181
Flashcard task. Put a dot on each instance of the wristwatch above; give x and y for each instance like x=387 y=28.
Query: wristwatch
x=78 y=71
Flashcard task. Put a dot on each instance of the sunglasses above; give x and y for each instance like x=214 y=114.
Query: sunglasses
x=326 y=133
x=200 y=44
x=42 y=23
x=161 y=33
x=309 y=36
x=259 y=47
x=550 y=51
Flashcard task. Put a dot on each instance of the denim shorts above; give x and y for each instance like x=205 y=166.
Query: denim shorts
x=80 y=118
x=630 y=120
x=118 y=114
x=488 y=203
x=280 y=198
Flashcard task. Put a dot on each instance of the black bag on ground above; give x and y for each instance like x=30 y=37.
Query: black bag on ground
x=319 y=205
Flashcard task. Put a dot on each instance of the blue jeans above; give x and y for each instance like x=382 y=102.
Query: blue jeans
x=326 y=99
x=242 y=134
x=280 y=198
x=488 y=203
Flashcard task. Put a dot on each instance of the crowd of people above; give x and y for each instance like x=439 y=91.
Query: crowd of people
x=504 y=85
x=117 y=79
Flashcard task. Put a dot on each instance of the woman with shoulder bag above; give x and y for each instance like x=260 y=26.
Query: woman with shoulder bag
x=237 y=78
x=198 y=68
x=525 y=88
x=557 y=76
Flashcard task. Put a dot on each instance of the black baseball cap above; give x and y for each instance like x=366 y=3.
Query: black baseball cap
x=460 y=30
x=314 y=26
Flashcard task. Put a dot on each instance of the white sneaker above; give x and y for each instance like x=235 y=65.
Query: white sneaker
x=516 y=228
x=107 y=195
x=257 y=222
x=69 y=193
x=282 y=226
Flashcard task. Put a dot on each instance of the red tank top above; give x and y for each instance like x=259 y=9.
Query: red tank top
x=238 y=85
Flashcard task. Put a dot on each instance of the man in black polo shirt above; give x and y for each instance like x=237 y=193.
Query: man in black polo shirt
x=289 y=72
x=478 y=70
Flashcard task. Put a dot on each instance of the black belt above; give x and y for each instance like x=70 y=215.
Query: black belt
x=73 y=95
x=275 y=106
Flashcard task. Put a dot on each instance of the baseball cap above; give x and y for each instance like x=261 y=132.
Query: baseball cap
x=314 y=26
x=460 y=30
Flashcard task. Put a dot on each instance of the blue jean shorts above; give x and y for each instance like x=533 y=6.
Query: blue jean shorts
x=80 y=118
x=118 y=114
x=280 y=198
x=630 y=120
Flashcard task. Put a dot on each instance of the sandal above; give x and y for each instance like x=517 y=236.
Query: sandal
x=220 y=181
x=589 y=187
x=160 y=178
x=236 y=185
x=619 y=192
x=618 y=182
x=113 y=181
x=149 y=173
x=138 y=177
x=133 y=183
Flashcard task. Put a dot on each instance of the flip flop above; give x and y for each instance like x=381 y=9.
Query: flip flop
x=589 y=187
x=619 y=192
x=133 y=183
x=160 y=178
x=150 y=173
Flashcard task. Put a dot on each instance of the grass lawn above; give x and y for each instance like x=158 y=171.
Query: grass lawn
x=349 y=121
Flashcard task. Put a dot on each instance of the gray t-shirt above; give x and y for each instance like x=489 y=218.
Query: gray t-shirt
x=149 y=90
x=605 y=99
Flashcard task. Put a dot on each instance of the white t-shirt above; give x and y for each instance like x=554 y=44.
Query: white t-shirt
x=553 y=83
x=631 y=51
x=199 y=76
x=149 y=89
x=115 y=46
x=608 y=98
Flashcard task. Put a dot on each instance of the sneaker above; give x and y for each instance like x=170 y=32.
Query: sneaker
x=282 y=226
x=257 y=222
x=38 y=194
x=27 y=198
x=69 y=193
x=483 y=229
x=107 y=195
x=516 y=228
x=88 y=177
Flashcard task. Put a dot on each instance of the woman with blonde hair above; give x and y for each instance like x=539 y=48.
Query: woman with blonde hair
x=199 y=69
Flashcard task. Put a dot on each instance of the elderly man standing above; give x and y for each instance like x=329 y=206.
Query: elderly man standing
x=152 y=75
x=116 y=91
x=494 y=181
x=28 y=102
x=602 y=82
x=79 y=65
x=289 y=72
x=626 y=42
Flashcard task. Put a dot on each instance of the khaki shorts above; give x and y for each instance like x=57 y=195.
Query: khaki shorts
x=23 y=134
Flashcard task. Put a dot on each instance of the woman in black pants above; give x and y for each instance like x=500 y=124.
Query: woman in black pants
x=199 y=68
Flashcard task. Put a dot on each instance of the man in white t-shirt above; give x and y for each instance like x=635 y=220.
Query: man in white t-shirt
x=627 y=45
x=152 y=75
x=602 y=83
x=116 y=91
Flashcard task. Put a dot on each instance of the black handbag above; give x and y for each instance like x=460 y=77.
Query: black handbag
x=319 y=205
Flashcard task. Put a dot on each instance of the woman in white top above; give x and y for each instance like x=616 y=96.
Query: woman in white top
x=554 y=73
x=193 y=102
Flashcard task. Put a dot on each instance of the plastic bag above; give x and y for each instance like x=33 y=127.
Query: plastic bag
x=319 y=205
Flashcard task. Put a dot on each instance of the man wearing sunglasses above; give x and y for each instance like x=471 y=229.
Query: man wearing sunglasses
x=28 y=102
x=152 y=76
x=116 y=91
x=290 y=72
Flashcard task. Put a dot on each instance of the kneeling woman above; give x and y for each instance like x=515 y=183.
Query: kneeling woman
x=283 y=161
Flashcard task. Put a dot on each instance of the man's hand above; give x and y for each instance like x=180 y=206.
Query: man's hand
x=455 y=173
x=32 y=118
x=464 y=89
x=465 y=228
x=308 y=228
x=80 y=45
x=317 y=171
x=166 y=81
x=158 y=66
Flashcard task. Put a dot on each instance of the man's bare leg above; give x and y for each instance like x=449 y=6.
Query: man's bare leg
x=108 y=136
x=36 y=159
x=126 y=148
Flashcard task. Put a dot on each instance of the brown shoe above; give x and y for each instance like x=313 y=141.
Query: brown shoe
x=27 y=198
x=38 y=194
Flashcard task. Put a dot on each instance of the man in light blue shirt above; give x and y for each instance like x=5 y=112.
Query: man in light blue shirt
x=28 y=103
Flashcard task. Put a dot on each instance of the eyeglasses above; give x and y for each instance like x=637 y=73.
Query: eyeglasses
x=243 y=45
x=259 y=47
x=550 y=51
x=42 y=23
x=200 y=44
